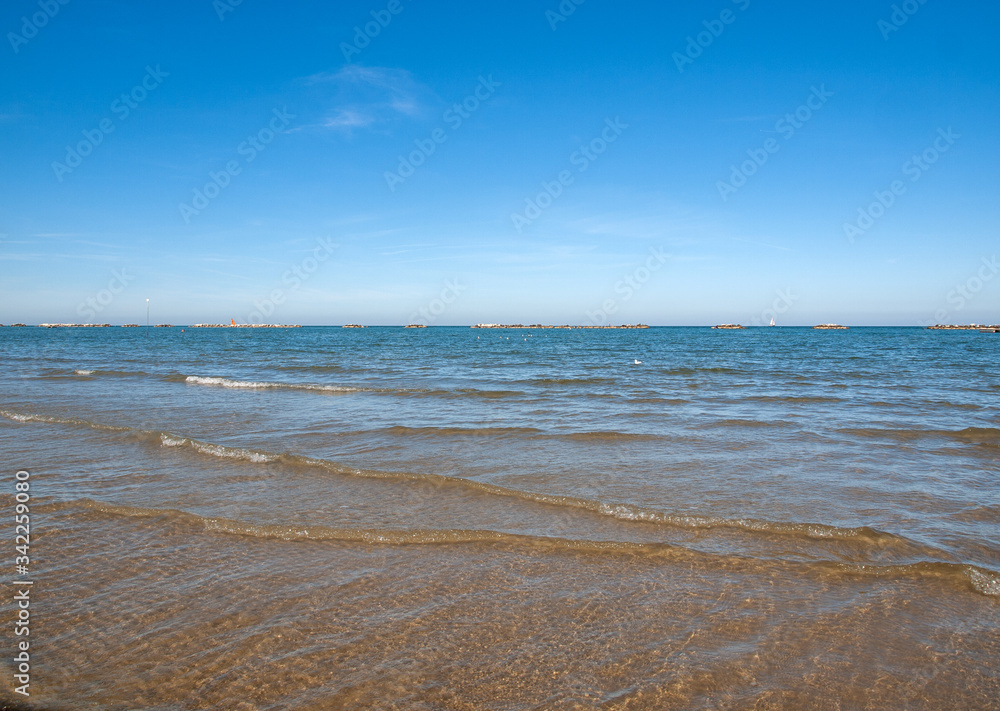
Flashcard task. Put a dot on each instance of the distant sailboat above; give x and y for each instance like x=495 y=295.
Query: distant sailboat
x=772 y=320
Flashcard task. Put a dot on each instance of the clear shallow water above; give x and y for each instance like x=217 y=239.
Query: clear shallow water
x=459 y=518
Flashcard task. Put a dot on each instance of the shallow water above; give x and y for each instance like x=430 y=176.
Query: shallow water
x=475 y=519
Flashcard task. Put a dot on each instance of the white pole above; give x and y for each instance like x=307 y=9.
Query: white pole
x=147 y=318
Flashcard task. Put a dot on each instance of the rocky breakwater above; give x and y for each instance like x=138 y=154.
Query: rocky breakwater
x=970 y=327
x=538 y=325
x=74 y=325
x=245 y=325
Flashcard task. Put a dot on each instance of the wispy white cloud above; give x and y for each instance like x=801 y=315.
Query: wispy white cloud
x=396 y=249
x=231 y=275
x=50 y=257
x=348 y=119
x=373 y=97
x=72 y=238
x=660 y=223
x=104 y=245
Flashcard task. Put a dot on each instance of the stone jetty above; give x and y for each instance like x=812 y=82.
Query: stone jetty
x=245 y=325
x=538 y=325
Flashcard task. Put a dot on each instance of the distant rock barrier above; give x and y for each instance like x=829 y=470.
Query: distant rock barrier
x=245 y=325
x=538 y=325
x=74 y=325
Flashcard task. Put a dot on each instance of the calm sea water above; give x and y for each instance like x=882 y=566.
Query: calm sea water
x=452 y=518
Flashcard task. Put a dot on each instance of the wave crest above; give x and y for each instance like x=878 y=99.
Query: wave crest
x=970 y=577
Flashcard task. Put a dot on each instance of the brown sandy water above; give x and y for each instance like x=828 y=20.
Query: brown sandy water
x=623 y=542
x=153 y=611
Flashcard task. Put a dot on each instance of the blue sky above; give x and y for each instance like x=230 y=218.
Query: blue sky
x=713 y=162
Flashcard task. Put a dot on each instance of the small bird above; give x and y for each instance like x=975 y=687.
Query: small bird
x=638 y=362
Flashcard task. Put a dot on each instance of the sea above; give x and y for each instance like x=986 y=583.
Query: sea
x=464 y=519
